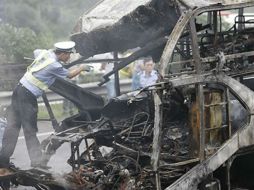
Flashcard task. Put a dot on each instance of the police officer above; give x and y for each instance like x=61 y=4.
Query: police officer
x=23 y=110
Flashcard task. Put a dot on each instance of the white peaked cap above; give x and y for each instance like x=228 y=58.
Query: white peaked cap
x=66 y=46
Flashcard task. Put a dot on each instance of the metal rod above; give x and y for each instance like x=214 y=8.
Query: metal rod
x=72 y=158
x=228 y=163
x=216 y=104
x=215 y=27
x=214 y=128
x=50 y=112
x=82 y=60
x=158 y=121
x=181 y=163
x=87 y=148
x=241 y=19
x=117 y=86
x=228 y=113
x=214 y=58
x=200 y=99
x=195 y=48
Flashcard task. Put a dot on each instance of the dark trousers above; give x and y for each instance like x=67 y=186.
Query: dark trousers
x=23 y=112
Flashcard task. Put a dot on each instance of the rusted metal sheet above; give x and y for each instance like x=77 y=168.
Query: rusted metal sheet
x=213 y=116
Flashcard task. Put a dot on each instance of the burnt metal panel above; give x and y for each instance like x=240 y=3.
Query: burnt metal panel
x=241 y=139
x=82 y=98
x=172 y=40
x=145 y=23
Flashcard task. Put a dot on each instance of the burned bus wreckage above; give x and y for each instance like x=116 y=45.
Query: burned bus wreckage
x=193 y=129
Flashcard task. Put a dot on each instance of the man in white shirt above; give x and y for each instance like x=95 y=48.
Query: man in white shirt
x=149 y=76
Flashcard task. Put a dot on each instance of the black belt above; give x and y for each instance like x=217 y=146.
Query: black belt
x=22 y=86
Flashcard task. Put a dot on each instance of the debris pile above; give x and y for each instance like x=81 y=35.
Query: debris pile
x=118 y=151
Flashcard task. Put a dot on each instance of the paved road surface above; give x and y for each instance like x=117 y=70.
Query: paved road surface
x=58 y=162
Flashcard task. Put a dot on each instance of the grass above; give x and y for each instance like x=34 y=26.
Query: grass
x=57 y=109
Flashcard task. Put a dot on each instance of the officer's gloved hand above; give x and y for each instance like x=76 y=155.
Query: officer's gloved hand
x=87 y=68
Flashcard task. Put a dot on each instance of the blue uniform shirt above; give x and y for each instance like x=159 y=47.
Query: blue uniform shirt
x=47 y=75
x=147 y=80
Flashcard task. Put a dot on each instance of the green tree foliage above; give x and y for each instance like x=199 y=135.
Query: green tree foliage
x=57 y=17
x=29 y=24
x=19 y=42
